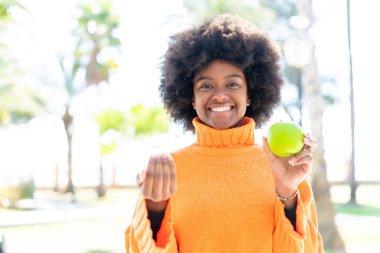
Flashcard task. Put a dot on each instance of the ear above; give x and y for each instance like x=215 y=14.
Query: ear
x=248 y=101
x=193 y=102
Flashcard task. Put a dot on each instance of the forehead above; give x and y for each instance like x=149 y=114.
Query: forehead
x=219 y=66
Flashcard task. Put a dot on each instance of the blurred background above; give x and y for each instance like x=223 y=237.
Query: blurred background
x=80 y=112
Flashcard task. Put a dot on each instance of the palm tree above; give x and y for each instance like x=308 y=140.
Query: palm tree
x=17 y=103
x=110 y=120
x=95 y=34
x=144 y=121
x=69 y=75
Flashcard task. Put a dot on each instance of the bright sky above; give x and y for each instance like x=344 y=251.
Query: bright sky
x=144 y=32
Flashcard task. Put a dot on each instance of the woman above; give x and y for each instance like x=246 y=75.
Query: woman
x=224 y=193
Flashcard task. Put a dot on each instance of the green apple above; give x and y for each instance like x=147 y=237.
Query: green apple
x=285 y=139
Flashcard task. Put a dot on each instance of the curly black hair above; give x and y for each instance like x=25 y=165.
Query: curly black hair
x=229 y=38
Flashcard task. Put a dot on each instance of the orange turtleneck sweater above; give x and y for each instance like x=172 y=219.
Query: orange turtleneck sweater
x=225 y=202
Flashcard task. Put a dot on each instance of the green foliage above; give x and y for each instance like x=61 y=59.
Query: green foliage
x=5 y=7
x=20 y=102
x=10 y=194
x=96 y=33
x=17 y=102
x=149 y=120
x=362 y=210
x=258 y=14
x=111 y=119
x=26 y=189
x=69 y=73
x=96 y=23
x=5 y=18
x=108 y=148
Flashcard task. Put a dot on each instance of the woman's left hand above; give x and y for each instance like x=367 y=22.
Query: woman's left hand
x=289 y=172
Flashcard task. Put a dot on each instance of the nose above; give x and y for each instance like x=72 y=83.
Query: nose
x=220 y=96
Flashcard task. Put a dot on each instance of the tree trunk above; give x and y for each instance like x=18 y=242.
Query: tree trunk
x=68 y=120
x=101 y=189
x=314 y=102
x=114 y=175
x=56 y=178
x=321 y=187
x=352 y=175
x=94 y=74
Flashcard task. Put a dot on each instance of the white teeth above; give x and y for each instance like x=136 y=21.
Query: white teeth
x=220 y=109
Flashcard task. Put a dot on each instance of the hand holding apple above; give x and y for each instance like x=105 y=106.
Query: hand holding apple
x=293 y=161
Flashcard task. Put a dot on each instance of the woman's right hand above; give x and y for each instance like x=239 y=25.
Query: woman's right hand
x=158 y=182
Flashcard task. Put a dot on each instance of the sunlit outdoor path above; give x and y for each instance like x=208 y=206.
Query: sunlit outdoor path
x=100 y=224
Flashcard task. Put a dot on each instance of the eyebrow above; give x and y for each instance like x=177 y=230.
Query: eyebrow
x=209 y=78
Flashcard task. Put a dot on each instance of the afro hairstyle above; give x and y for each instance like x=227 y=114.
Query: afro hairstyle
x=226 y=37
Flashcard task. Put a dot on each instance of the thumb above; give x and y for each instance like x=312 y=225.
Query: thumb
x=140 y=178
x=267 y=150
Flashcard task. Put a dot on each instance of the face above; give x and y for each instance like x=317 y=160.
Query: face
x=220 y=95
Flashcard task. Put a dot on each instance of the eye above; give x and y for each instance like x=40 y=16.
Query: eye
x=205 y=86
x=232 y=85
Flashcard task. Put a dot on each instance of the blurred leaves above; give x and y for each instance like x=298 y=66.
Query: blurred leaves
x=12 y=193
x=5 y=10
x=69 y=74
x=149 y=120
x=96 y=34
x=20 y=102
x=96 y=23
x=251 y=10
x=111 y=119
x=108 y=148
x=144 y=120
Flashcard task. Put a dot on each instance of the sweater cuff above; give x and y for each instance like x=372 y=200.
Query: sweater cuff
x=140 y=232
x=303 y=201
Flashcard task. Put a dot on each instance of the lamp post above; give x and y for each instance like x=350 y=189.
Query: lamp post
x=298 y=52
x=352 y=175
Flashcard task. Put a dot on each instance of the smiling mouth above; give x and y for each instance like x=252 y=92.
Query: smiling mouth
x=220 y=109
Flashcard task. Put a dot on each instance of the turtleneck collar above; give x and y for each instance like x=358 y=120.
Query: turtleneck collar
x=238 y=136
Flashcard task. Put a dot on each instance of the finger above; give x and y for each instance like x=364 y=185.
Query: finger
x=305 y=163
x=267 y=150
x=310 y=142
x=166 y=177
x=157 y=180
x=173 y=175
x=147 y=187
x=304 y=152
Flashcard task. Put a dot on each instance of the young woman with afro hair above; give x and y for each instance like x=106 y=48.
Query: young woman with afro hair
x=224 y=193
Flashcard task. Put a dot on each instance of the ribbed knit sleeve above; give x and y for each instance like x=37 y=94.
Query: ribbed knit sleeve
x=138 y=236
x=305 y=238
